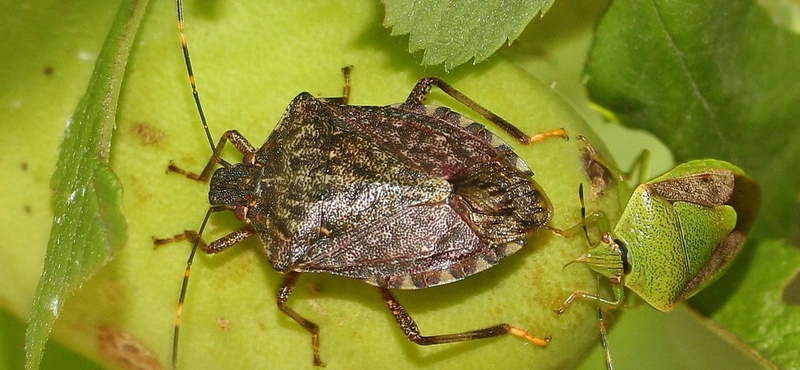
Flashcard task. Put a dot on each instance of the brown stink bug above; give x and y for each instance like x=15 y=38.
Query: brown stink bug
x=407 y=196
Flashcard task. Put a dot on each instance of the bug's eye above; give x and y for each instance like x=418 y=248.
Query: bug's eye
x=623 y=253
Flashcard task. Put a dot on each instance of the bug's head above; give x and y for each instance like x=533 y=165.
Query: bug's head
x=608 y=258
x=236 y=187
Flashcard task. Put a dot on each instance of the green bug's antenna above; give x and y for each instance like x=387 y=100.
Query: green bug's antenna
x=188 y=60
x=583 y=214
x=583 y=257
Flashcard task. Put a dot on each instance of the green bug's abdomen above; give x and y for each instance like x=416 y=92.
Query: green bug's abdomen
x=668 y=244
x=707 y=228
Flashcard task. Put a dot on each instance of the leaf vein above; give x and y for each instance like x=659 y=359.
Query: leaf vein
x=712 y=119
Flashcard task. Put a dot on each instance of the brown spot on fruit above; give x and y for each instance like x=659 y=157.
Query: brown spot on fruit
x=125 y=351
x=147 y=134
x=223 y=323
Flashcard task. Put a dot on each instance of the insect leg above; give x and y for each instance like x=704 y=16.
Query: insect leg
x=642 y=162
x=604 y=338
x=198 y=243
x=216 y=246
x=236 y=139
x=586 y=296
x=345 y=98
x=597 y=217
x=590 y=220
x=411 y=330
x=346 y=88
x=420 y=92
x=283 y=296
x=601 y=323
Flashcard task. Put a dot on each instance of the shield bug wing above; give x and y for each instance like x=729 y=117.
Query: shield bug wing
x=382 y=208
x=322 y=181
x=698 y=182
x=741 y=208
x=416 y=248
x=712 y=182
x=711 y=243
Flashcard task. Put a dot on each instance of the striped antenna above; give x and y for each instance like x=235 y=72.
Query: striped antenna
x=185 y=283
x=583 y=214
x=184 y=286
x=188 y=60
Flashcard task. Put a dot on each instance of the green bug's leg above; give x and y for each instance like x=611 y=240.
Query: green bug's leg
x=598 y=255
x=604 y=338
x=598 y=218
x=603 y=326
x=619 y=295
x=642 y=162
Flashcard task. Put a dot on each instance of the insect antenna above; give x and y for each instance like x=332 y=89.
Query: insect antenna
x=583 y=226
x=185 y=46
x=583 y=215
x=184 y=286
x=198 y=237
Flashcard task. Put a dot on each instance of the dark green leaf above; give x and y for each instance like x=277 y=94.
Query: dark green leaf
x=753 y=308
x=88 y=225
x=453 y=32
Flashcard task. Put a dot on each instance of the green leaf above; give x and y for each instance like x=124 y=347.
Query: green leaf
x=453 y=32
x=711 y=79
x=88 y=226
x=753 y=308
x=718 y=79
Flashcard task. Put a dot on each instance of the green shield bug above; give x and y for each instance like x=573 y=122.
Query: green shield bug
x=677 y=234
x=407 y=196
